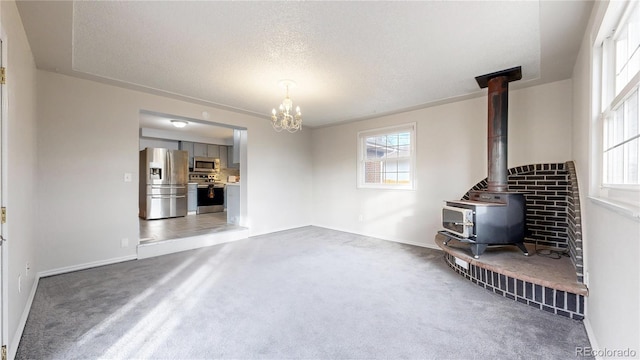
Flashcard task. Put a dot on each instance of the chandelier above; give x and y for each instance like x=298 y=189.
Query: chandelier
x=284 y=118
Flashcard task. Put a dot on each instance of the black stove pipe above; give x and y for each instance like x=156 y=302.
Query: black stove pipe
x=497 y=133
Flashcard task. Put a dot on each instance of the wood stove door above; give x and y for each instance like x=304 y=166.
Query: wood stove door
x=459 y=221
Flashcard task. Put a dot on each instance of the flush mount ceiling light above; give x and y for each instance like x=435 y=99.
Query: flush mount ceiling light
x=284 y=119
x=179 y=123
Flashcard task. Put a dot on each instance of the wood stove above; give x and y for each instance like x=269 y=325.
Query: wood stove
x=487 y=218
x=495 y=216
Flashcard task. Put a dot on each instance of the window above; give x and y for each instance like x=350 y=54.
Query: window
x=620 y=118
x=620 y=144
x=386 y=157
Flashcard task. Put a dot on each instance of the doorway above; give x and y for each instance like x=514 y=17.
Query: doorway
x=217 y=140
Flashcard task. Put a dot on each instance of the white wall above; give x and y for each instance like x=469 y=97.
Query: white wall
x=87 y=140
x=159 y=143
x=20 y=198
x=612 y=240
x=451 y=158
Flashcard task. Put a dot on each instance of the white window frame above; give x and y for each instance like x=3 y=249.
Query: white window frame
x=603 y=59
x=362 y=151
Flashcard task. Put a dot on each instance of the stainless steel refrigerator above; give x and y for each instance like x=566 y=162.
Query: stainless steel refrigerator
x=163 y=183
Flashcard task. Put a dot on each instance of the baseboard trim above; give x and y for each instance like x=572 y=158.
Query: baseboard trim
x=590 y=334
x=68 y=269
x=15 y=342
x=431 y=245
x=253 y=233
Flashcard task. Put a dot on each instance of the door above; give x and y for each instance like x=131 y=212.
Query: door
x=178 y=166
x=3 y=251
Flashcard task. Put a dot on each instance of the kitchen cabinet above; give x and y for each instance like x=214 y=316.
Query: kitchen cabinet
x=223 y=157
x=207 y=150
x=192 y=197
x=188 y=146
x=213 y=151
x=200 y=150
x=230 y=163
x=233 y=204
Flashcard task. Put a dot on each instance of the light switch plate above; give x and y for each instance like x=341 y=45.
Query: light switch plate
x=128 y=177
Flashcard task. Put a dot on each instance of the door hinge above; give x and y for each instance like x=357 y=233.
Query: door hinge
x=4 y=352
x=4 y=215
x=3 y=75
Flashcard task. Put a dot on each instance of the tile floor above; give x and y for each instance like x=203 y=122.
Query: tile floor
x=181 y=227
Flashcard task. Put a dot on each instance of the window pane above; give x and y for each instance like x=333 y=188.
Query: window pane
x=631 y=163
x=381 y=145
x=631 y=117
x=372 y=172
x=391 y=178
x=606 y=133
x=373 y=178
x=618 y=127
x=391 y=166
x=617 y=167
x=404 y=178
x=634 y=64
x=392 y=143
x=404 y=165
x=606 y=168
x=627 y=57
x=621 y=61
x=387 y=158
x=374 y=150
x=404 y=144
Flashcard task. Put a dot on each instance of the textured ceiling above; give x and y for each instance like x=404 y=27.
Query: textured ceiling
x=350 y=60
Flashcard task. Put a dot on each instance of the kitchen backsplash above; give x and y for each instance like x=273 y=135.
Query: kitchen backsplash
x=224 y=173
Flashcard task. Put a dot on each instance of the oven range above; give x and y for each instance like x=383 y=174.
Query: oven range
x=210 y=194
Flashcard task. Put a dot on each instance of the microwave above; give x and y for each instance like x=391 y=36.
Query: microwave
x=206 y=164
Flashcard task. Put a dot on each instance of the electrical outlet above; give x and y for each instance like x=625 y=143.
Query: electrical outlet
x=128 y=177
x=124 y=242
x=26 y=270
x=19 y=283
x=360 y=217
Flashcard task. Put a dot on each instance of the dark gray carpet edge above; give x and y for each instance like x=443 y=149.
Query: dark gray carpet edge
x=307 y=293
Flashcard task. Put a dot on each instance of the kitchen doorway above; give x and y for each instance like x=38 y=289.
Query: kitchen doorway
x=221 y=141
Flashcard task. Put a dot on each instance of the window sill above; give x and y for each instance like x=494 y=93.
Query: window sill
x=621 y=208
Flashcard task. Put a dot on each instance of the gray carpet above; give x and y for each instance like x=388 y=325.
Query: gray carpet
x=307 y=293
